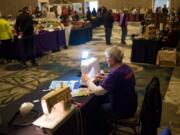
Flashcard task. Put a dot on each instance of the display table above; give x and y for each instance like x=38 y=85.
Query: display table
x=80 y=36
x=81 y=120
x=144 y=51
x=45 y=41
x=49 y=41
x=135 y=17
x=96 y=22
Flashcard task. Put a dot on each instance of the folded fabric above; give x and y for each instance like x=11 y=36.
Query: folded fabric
x=80 y=92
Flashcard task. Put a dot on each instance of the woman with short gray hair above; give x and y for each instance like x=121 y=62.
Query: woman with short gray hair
x=116 y=53
x=119 y=85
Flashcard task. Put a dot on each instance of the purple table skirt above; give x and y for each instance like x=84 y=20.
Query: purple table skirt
x=44 y=42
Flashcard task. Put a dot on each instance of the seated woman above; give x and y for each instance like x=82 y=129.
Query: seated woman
x=119 y=85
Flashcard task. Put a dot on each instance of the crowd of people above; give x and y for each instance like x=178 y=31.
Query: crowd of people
x=24 y=25
x=170 y=19
x=23 y=30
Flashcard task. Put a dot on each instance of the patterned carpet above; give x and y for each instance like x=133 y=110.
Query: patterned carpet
x=16 y=82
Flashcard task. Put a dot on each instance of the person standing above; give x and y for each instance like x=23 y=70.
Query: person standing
x=108 y=25
x=165 y=10
x=94 y=13
x=123 y=25
x=6 y=38
x=88 y=14
x=24 y=29
x=75 y=16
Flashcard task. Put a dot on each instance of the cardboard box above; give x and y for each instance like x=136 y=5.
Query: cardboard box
x=167 y=58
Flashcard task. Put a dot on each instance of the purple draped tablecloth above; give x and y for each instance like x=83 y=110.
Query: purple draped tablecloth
x=44 y=42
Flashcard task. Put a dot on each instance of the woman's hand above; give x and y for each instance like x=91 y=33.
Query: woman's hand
x=100 y=77
x=84 y=78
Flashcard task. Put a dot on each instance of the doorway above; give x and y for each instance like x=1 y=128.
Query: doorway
x=91 y=5
x=161 y=3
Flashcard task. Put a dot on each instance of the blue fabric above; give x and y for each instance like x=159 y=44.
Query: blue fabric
x=165 y=131
x=80 y=36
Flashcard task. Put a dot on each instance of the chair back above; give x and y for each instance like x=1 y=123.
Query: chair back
x=151 y=108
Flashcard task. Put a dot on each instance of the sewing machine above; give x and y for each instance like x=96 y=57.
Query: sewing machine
x=60 y=94
x=55 y=106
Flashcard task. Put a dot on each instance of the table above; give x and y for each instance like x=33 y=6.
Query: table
x=135 y=17
x=45 y=41
x=144 y=51
x=49 y=41
x=96 y=22
x=68 y=127
x=80 y=36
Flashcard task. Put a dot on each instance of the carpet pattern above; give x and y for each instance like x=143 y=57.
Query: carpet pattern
x=16 y=82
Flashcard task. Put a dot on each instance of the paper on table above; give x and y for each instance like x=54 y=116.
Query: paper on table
x=55 y=84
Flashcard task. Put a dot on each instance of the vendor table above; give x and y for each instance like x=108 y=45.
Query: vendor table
x=96 y=22
x=86 y=122
x=144 y=51
x=44 y=41
x=80 y=36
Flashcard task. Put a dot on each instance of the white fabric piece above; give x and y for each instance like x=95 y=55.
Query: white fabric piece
x=97 y=90
x=67 y=34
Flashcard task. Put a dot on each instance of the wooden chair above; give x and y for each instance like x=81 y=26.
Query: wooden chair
x=133 y=124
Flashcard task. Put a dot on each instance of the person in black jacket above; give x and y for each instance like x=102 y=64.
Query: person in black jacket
x=25 y=30
x=88 y=14
x=108 y=25
x=94 y=13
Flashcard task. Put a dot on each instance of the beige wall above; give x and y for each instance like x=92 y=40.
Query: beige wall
x=12 y=6
x=125 y=3
x=79 y=1
x=175 y=3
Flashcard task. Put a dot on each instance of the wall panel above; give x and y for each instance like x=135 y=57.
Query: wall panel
x=12 y=6
x=117 y=4
x=175 y=3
